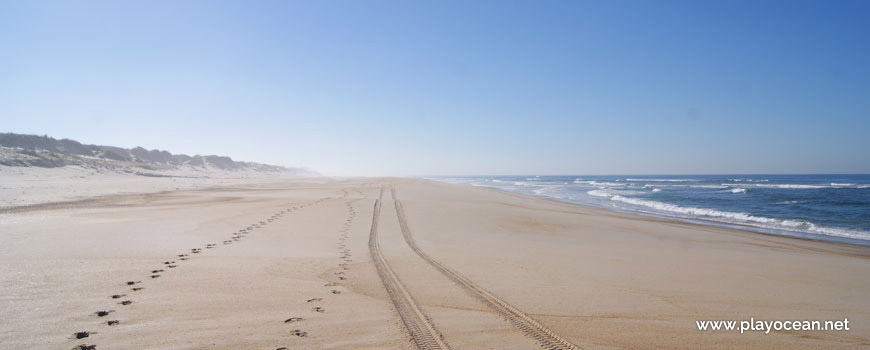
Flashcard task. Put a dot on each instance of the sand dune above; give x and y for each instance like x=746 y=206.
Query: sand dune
x=339 y=264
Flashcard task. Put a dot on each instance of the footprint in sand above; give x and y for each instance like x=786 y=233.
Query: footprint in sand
x=118 y=296
x=130 y=283
x=81 y=335
x=112 y=322
x=298 y=333
x=318 y=309
x=293 y=319
x=137 y=289
x=103 y=313
x=126 y=302
x=313 y=299
x=156 y=271
x=334 y=291
x=85 y=347
x=155 y=276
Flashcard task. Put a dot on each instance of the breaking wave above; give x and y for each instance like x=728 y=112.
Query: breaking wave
x=597 y=183
x=741 y=218
x=801 y=186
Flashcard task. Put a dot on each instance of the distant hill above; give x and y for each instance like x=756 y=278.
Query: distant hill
x=42 y=151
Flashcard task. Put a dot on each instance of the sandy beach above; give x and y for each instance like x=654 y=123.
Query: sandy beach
x=299 y=264
x=276 y=175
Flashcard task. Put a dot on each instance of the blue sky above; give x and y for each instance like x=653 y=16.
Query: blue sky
x=429 y=88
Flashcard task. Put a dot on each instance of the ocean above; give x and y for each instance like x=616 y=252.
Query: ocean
x=821 y=207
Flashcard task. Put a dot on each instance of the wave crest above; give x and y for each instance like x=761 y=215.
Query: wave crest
x=742 y=218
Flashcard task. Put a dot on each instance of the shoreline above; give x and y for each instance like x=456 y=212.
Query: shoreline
x=97 y=199
x=745 y=229
x=697 y=221
x=732 y=229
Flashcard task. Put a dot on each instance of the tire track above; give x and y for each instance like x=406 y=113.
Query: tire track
x=532 y=328
x=423 y=334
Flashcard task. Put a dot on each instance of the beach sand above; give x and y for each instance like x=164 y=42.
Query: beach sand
x=594 y=278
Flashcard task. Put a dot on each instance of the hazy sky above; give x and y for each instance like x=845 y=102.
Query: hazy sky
x=465 y=87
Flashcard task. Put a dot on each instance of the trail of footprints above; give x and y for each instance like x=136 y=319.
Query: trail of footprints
x=345 y=256
x=135 y=285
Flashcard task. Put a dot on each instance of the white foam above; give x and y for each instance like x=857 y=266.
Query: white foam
x=789 y=186
x=738 y=190
x=599 y=193
x=692 y=211
x=687 y=186
x=553 y=191
x=597 y=183
x=656 y=189
x=624 y=192
x=742 y=218
x=802 y=186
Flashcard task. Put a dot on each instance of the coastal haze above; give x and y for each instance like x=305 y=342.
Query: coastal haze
x=41 y=169
x=450 y=175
